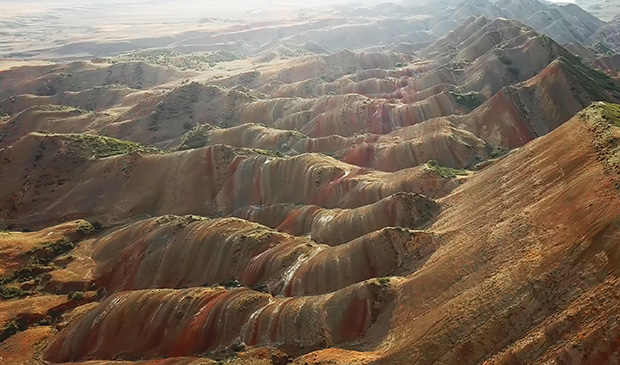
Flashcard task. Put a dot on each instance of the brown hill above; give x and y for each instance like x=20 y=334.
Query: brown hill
x=541 y=104
x=310 y=207
x=51 y=178
x=520 y=303
x=545 y=224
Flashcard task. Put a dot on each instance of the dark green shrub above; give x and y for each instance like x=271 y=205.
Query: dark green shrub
x=229 y=284
x=8 y=292
x=76 y=295
x=85 y=227
x=9 y=329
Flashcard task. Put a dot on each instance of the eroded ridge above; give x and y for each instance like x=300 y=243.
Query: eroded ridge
x=361 y=186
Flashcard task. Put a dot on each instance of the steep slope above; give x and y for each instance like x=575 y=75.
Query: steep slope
x=541 y=104
x=235 y=252
x=361 y=186
x=564 y=22
x=523 y=290
x=336 y=226
x=526 y=110
x=545 y=220
x=609 y=35
x=215 y=317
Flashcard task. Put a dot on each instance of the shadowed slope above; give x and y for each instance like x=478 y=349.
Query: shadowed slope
x=207 y=319
x=336 y=226
x=539 y=105
x=147 y=254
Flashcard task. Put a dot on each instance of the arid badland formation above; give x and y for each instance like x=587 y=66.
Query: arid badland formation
x=413 y=182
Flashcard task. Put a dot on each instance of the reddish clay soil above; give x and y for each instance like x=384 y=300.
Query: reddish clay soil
x=454 y=204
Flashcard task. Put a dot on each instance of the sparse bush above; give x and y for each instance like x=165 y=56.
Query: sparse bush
x=51 y=250
x=39 y=263
x=229 y=284
x=498 y=151
x=28 y=272
x=446 y=172
x=270 y=153
x=85 y=227
x=610 y=112
x=76 y=295
x=238 y=346
x=261 y=287
x=470 y=100
x=384 y=282
x=101 y=147
x=8 y=292
x=9 y=329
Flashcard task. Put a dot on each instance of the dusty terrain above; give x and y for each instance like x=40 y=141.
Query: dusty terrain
x=329 y=184
x=604 y=10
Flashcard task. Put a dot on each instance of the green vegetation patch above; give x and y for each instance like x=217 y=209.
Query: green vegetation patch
x=270 y=153
x=62 y=108
x=101 y=147
x=256 y=235
x=76 y=296
x=384 y=281
x=297 y=134
x=85 y=227
x=49 y=251
x=610 y=112
x=170 y=58
x=9 y=329
x=186 y=220
x=8 y=292
x=288 y=50
x=604 y=120
x=197 y=137
x=446 y=172
x=39 y=263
